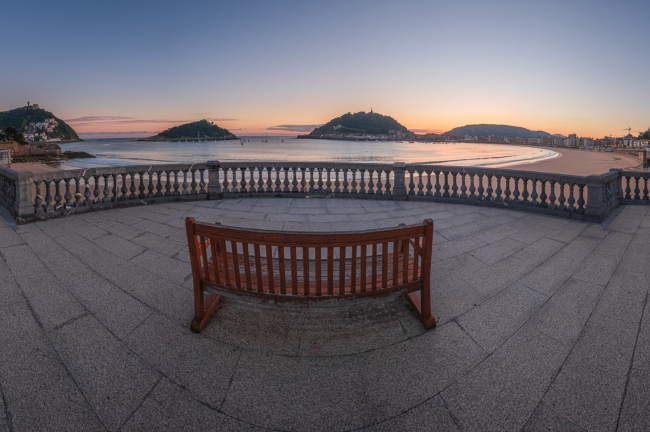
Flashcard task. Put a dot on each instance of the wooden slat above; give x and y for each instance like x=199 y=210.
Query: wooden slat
x=294 y=271
x=342 y=271
x=330 y=271
x=269 y=268
x=374 y=266
x=224 y=259
x=235 y=261
x=395 y=262
x=416 y=258
x=283 y=275
x=258 y=268
x=204 y=256
x=215 y=261
x=247 y=265
x=406 y=248
x=384 y=265
x=364 y=265
x=305 y=270
x=353 y=270
x=317 y=272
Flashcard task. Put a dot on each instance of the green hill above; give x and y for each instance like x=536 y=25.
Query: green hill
x=202 y=128
x=22 y=117
x=360 y=123
x=493 y=129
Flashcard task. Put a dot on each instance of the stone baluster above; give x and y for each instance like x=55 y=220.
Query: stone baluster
x=260 y=180
x=571 y=201
x=362 y=182
x=303 y=180
x=507 y=192
x=172 y=182
x=371 y=182
x=387 y=184
x=429 y=184
x=124 y=189
x=627 y=188
x=311 y=180
x=472 y=188
x=133 y=189
x=498 y=192
x=354 y=181
x=286 y=181
x=107 y=191
x=346 y=189
x=278 y=182
x=445 y=185
x=480 y=189
x=67 y=196
x=524 y=192
x=420 y=184
x=645 y=189
x=185 y=189
x=96 y=191
x=543 y=197
x=57 y=194
x=515 y=192
x=242 y=180
x=193 y=191
x=454 y=184
x=636 y=189
x=489 y=191
x=533 y=194
x=379 y=186
x=150 y=186
x=337 y=183
x=581 y=198
x=328 y=182
x=159 y=185
x=294 y=181
x=48 y=197
x=38 y=200
x=202 y=183
x=552 y=197
x=561 y=199
x=269 y=180
x=78 y=197
x=463 y=186
x=437 y=194
x=411 y=182
x=87 y=194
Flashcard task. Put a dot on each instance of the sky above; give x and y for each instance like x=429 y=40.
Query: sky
x=134 y=68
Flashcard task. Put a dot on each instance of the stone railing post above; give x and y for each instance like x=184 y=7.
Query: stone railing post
x=24 y=204
x=214 y=182
x=619 y=184
x=399 y=183
x=595 y=209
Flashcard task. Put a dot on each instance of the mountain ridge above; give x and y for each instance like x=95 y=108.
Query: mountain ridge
x=485 y=129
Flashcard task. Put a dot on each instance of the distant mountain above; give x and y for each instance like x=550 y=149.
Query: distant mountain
x=360 y=123
x=493 y=129
x=26 y=119
x=202 y=129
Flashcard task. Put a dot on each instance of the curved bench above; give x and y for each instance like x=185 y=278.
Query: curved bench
x=304 y=267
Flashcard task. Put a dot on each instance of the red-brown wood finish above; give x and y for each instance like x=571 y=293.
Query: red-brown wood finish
x=345 y=265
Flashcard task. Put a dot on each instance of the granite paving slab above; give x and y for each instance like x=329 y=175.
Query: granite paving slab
x=543 y=324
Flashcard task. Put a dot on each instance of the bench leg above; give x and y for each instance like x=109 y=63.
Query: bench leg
x=204 y=309
x=422 y=307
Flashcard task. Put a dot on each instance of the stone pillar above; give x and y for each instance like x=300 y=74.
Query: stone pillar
x=399 y=184
x=214 y=182
x=595 y=209
x=24 y=205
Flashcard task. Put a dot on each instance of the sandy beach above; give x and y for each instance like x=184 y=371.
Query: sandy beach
x=580 y=162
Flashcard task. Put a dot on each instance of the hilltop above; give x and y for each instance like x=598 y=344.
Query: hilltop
x=493 y=129
x=202 y=128
x=360 y=123
x=37 y=124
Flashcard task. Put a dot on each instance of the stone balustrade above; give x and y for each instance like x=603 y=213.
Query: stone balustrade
x=30 y=196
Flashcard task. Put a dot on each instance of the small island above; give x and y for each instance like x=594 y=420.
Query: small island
x=201 y=130
x=362 y=126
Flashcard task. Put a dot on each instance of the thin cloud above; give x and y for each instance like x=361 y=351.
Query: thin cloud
x=294 y=128
x=118 y=133
x=98 y=118
x=423 y=131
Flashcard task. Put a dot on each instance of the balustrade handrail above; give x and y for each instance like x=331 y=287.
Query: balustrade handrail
x=31 y=196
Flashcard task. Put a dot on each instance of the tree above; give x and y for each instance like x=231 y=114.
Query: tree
x=14 y=135
x=645 y=135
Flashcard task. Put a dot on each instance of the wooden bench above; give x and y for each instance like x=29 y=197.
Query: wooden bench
x=309 y=266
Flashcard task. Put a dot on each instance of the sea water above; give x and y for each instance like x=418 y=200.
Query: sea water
x=115 y=152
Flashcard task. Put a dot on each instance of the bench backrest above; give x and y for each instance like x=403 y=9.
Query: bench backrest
x=310 y=265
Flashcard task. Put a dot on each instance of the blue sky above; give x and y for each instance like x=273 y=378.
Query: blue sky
x=561 y=66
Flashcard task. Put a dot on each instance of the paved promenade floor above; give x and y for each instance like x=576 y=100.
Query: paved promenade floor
x=543 y=324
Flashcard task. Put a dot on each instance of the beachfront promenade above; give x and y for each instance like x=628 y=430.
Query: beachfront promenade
x=543 y=323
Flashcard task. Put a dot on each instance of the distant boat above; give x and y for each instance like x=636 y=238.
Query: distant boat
x=242 y=142
x=411 y=141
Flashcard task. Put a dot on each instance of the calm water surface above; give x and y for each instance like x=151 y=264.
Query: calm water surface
x=130 y=152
